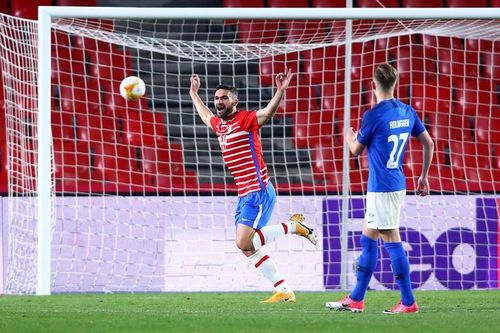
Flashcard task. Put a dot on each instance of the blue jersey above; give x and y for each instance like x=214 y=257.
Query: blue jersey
x=385 y=131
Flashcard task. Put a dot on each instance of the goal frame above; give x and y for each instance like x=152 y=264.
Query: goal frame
x=47 y=13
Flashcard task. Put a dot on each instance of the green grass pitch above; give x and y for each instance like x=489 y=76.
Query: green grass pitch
x=441 y=311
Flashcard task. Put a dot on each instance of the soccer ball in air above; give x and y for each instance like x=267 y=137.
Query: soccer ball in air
x=132 y=88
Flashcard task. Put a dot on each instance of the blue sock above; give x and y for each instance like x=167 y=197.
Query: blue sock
x=366 y=266
x=401 y=270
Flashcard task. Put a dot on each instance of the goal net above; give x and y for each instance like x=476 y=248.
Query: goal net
x=140 y=199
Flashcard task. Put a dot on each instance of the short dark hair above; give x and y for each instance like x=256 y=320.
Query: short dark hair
x=386 y=76
x=232 y=89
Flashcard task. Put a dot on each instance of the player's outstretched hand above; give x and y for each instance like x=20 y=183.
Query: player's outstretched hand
x=283 y=79
x=195 y=83
x=423 y=186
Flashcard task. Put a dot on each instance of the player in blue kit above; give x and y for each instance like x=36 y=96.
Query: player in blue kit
x=385 y=131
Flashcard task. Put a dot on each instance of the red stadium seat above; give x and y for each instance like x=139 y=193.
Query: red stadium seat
x=412 y=65
x=358 y=180
x=475 y=163
x=474 y=96
x=421 y=3
x=482 y=127
x=427 y=98
x=494 y=3
x=80 y=97
x=298 y=99
x=487 y=127
x=386 y=49
x=21 y=166
x=490 y=60
x=167 y=165
x=440 y=176
x=328 y=3
x=69 y=160
x=68 y=65
x=300 y=102
x=4 y=8
x=413 y=159
x=466 y=3
x=419 y=99
x=287 y=3
x=362 y=65
x=4 y=169
x=463 y=155
x=243 y=3
x=432 y=43
x=482 y=180
x=2 y=100
x=451 y=64
x=20 y=8
x=495 y=152
x=91 y=180
x=332 y=111
x=2 y=126
x=471 y=44
x=306 y=128
x=472 y=63
x=327 y=164
x=320 y=65
x=332 y=98
x=114 y=161
x=441 y=42
x=446 y=127
x=483 y=158
x=90 y=45
x=269 y=67
x=110 y=66
x=96 y=129
x=358 y=92
x=144 y=128
x=377 y=4
x=63 y=125
x=163 y=160
x=76 y=2
x=324 y=160
x=61 y=38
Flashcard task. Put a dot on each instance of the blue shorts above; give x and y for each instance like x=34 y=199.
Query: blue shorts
x=255 y=209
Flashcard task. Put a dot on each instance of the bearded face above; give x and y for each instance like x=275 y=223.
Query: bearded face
x=224 y=103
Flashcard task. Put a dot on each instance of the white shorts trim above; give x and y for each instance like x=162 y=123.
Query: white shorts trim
x=383 y=209
x=257 y=219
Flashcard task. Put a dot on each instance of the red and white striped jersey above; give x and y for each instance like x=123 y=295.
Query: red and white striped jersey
x=242 y=150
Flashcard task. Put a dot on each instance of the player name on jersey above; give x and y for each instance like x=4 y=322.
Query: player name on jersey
x=399 y=123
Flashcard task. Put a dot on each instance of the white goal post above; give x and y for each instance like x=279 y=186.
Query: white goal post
x=45 y=23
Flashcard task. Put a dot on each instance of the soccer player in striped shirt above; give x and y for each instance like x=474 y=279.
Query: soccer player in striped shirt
x=385 y=130
x=238 y=134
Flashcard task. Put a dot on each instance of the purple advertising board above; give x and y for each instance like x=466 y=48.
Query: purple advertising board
x=457 y=249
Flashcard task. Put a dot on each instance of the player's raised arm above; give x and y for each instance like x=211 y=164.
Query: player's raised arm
x=282 y=82
x=423 y=183
x=203 y=111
